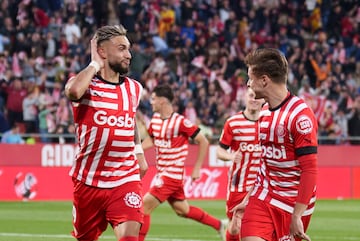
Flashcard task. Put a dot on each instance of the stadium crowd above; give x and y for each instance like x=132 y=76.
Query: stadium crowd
x=196 y=46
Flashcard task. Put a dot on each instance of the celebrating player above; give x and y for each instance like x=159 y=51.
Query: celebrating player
x=241 y=135
x=283 y=198
x=170 y=133
x=106 y=172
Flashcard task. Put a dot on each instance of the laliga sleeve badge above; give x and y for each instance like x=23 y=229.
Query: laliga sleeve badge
x=304 y=125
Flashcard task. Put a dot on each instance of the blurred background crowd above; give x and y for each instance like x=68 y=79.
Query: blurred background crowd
x=196 y=46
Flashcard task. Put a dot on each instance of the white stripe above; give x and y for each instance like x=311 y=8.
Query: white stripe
x=172 y=156
x=100 y=104
x=286 y=164
x=103 y=94
x=107 y=184
x=177 y=162
x=273 y=125
x=164 y=128
x=263 y=194
x=118 y=173
x=123 y=143
x=119 y=154
x=98 y=154
x=293 y=193
x=177 y=125
x=104 y=85
x=250 y=130
x=244 y=138
x=116 y=164
x=284 y=115
x=125 y=97
x=93 y=132
x=240 y=123
x=173 y=150
x=133 y=94
x=119 y=132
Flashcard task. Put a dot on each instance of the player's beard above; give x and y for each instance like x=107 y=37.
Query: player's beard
x=118 y=68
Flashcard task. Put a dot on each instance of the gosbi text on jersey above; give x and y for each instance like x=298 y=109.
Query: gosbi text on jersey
x=286 y=134
x=171 y=138
x=105 y=120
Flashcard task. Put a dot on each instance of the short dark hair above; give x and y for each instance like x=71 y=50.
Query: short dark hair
x=268 y=61
x=164 y=91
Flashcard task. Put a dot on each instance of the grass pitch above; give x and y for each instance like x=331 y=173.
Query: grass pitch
x=333 y=220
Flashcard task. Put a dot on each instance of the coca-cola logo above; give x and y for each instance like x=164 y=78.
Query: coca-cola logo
x=207 y=186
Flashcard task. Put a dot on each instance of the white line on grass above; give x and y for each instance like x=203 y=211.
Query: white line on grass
x=62 y=236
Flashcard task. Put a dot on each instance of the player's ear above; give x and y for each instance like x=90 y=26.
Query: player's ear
x=264 y=80
x=101 y=52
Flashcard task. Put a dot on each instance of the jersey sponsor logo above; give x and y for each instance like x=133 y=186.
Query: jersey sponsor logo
x=101 y=118
x=133 y=200
x=304 y=125
x=248 y=147
x=272 y=152
x=163 y=143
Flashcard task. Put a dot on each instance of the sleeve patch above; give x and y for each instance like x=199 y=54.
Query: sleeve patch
x=304 y=125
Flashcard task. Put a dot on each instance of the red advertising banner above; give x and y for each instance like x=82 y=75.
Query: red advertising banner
x=45 y=183
x=40 y=172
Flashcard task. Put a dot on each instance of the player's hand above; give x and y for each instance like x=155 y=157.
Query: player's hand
x=195 y=174
x=142 y=164
x=237 y=156
x=94 y=52
x=240 y=208
x=297 y=229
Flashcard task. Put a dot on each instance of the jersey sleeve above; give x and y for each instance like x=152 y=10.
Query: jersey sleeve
x=304 y=131
x=226 y=136
x=188 y=129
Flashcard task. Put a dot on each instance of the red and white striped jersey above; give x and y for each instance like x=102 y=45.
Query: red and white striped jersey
x=239 y=132
x=171 y=140
x=286 y=132
x=105 y=119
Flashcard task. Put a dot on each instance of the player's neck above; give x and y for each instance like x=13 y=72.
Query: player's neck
x=277 y=97
x=252 y=115
x=166 y=112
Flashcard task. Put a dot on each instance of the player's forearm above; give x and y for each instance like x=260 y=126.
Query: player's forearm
x=299 y=209
x=76 y=86
x=203 y=148
x=223 y=154
x=147 y=143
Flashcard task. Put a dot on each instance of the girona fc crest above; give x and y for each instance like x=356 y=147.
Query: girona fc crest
x=280 y=130
x=133 y=200
x=285 y=238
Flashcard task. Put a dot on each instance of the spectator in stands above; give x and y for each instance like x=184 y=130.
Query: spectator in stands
x=15 y=97
x=354 y=122
x=12 y=136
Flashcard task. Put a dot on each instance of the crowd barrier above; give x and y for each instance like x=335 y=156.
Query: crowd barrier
x=40 y=172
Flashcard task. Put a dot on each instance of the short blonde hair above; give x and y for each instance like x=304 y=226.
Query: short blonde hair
x=110 y=31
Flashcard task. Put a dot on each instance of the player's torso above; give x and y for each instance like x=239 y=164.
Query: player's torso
x=171 y=143
x=244 y=136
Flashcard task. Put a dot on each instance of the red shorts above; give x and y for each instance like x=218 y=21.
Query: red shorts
x=234 y=199
x=166 y=188
x=94 y=208
x=267 y=222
